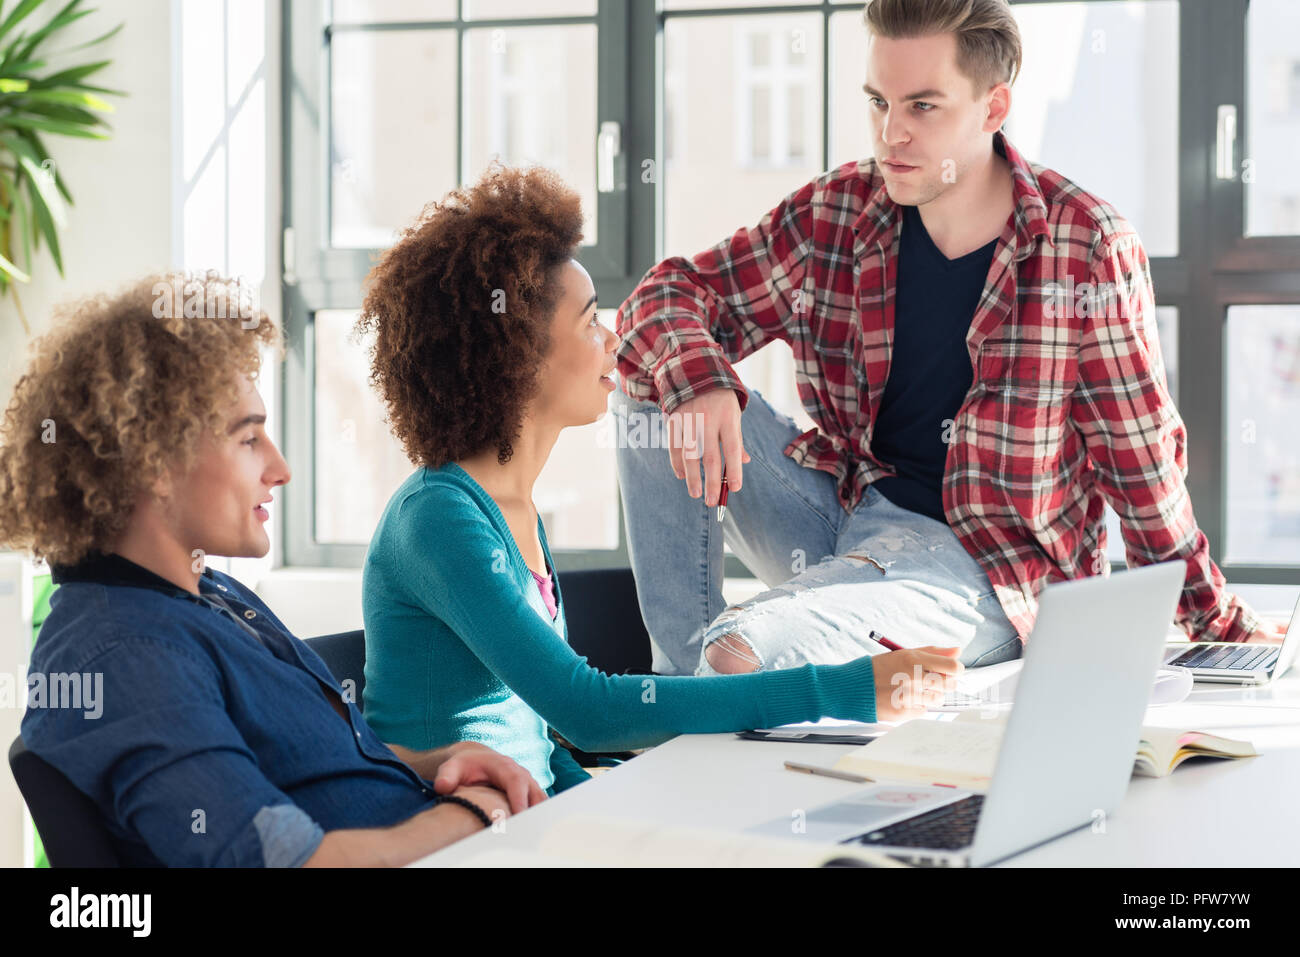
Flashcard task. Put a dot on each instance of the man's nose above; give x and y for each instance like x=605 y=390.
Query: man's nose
x=892 y=130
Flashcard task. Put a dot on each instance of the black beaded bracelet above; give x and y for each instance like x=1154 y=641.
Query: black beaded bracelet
x=478 y=811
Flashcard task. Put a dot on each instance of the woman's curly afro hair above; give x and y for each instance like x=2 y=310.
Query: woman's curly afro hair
x=117 y=393
x=460 y=310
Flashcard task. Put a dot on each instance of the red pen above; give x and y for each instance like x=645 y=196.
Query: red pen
x=877 y=637
x=722 y=499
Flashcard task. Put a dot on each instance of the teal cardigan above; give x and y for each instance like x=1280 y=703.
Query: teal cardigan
x=459 y=646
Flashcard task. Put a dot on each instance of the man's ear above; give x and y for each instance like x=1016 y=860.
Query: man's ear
x=999 y=107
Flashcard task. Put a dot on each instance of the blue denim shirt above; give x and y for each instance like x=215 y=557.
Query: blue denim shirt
x=202 y=729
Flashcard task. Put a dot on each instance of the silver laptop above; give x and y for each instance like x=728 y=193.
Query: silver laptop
x=1068 y=749
x=1237 y=663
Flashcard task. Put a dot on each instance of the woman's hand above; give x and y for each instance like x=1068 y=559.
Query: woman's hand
x=911 y=680
x=470 y=763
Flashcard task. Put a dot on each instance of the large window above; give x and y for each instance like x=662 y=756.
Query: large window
x=683 y=120
x=389 y=105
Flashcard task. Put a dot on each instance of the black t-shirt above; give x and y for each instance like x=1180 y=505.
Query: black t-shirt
x=929 y=370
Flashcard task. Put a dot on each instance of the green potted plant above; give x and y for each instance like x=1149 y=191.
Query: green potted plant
x=37 y=98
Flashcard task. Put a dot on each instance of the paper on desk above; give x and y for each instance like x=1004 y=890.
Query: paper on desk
x=961 y=755
x=837 y=726
x=825 y=726
x=1002 y=675
x=996 y=684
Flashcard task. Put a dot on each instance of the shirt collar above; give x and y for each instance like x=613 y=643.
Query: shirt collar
x=112 y=569
x=879 y=215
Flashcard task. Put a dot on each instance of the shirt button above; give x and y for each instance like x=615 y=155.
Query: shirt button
x=222 y=587
x=358 y=735
x=250 y=614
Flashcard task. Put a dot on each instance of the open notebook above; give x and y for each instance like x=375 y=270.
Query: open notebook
x=963 y=752
x=592 y=840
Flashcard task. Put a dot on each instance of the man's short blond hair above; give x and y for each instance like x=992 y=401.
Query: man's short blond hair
x=988 y=38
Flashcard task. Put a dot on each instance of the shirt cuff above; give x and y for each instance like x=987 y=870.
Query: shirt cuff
x=288 y=834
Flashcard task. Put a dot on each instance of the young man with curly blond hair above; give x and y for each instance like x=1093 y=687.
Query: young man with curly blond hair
x=134 y=446
x=970 y=425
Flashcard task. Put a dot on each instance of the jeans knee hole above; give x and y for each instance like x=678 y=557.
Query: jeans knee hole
x=726 y=652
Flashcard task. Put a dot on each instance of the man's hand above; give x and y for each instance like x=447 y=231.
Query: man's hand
x=707 y=427
x=493 y=803
x=1269 y=632
x=470 y=763
x=911 y=680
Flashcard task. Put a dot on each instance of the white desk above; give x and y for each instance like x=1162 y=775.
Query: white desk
x=1206 y=814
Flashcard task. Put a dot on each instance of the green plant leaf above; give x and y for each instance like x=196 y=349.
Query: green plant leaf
x=20 y=208
x=97 y=89
x=21 y=67
x=31 y=137
x=65 y=103
x=42 y=180
x=12 y=270
x=24 y=228
x=62 y=112
x=70 y=75
x=17 y=144
x=99 y=39
x=46 y=225
x=60 y=127
x=19 y=13
x=60 y=20
x=71 y=97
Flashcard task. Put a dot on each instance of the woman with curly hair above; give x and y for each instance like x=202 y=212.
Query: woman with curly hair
x=486 y=344
x=207 y=734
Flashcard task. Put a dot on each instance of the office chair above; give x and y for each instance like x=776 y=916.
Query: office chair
x=604 y=619
x=345 y=656
x=72 y=829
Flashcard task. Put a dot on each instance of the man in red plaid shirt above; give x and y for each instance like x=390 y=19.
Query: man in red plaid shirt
x=974 y=337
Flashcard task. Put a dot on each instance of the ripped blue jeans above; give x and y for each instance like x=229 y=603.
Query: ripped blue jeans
x=832 y=577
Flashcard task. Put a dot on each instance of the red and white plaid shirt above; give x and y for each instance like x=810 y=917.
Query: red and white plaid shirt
x=1069 y=407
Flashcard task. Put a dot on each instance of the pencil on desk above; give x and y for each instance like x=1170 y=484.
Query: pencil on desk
x=827 y=772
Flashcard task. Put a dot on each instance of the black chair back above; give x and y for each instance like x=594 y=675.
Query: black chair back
x=604 y=619
x=72 y=829
x=345 y=656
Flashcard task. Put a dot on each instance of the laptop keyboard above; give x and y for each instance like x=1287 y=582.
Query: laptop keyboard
x=947 y=828
x=1241 y=657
